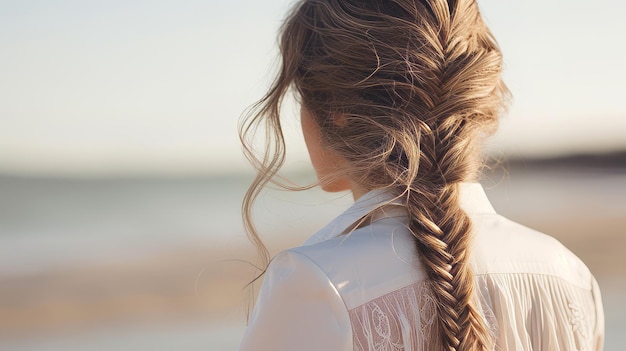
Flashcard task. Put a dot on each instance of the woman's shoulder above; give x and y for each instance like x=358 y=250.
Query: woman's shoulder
x=367 y=262
x=503 y=246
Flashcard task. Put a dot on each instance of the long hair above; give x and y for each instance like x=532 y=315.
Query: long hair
x=418 y=86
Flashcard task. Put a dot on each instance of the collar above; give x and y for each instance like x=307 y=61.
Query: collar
x=473 y=201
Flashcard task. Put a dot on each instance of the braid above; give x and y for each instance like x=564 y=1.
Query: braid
x=442 y=235
x=441 y=228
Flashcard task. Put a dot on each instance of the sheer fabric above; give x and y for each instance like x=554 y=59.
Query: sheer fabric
x=404 y=319
x=399 y=320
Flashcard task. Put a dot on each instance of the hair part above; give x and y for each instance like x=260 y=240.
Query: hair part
x=418 y=86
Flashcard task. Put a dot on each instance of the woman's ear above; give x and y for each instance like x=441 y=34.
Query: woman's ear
x=340 y=120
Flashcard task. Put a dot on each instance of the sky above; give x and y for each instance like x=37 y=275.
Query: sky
x=125 y=87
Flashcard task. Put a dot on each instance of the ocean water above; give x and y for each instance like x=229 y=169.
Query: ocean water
x=47 y=222
x=55 y=221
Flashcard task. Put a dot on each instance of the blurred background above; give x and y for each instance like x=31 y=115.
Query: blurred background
x=121 y=174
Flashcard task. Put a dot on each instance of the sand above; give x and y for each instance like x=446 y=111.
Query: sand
x=207 y=283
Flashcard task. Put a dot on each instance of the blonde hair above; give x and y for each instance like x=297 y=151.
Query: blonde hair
x=417 y=85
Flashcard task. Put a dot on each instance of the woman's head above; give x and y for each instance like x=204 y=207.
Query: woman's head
x=395 y=85
x=401 y=94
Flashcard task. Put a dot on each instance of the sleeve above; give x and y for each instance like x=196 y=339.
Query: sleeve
x=599 y=328
x=298 y=308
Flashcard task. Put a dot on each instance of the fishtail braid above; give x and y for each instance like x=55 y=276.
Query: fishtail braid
x=442 y=230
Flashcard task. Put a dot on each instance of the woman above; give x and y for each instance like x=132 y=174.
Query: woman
x=396 y=97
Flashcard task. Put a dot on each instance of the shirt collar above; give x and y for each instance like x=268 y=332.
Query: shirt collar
x=473 y=201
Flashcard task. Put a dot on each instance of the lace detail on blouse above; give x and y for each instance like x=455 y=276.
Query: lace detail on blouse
x=522 y=312
x=396 y=320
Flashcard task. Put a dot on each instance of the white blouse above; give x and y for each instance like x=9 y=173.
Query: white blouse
x=366 y=290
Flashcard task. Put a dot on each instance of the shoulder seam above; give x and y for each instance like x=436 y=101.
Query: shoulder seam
x=306 y=257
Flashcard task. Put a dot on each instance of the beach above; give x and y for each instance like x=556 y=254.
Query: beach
x=164 y=262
